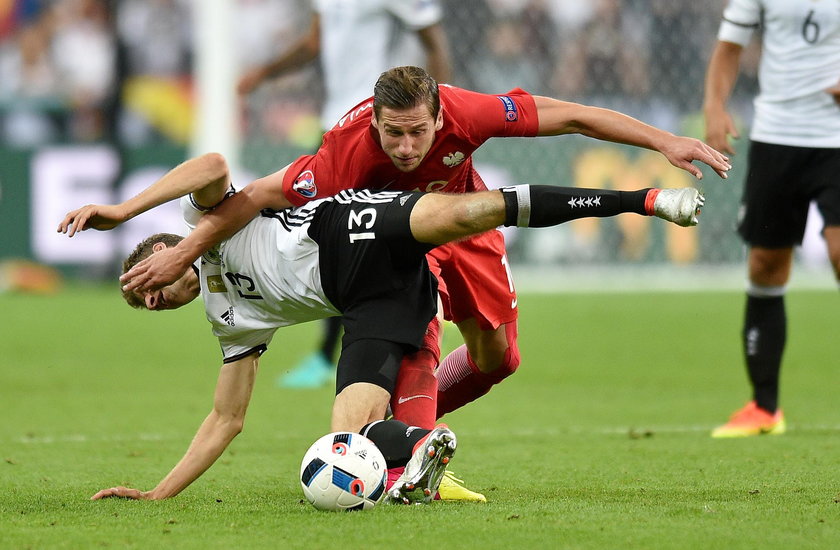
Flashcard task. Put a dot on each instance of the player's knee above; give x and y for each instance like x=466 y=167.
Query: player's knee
x=508 y=364
x=508 y=361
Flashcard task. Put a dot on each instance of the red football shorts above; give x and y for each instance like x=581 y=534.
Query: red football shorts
x=474 y=280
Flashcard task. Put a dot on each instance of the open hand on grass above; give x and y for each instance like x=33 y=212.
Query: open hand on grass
x=121 y=492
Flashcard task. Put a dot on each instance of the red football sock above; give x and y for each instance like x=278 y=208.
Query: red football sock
x=459 y=381
x=414 y=400
x=650 y=198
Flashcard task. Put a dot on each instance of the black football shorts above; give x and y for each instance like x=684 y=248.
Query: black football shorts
x=372 y=269
x=781 y=182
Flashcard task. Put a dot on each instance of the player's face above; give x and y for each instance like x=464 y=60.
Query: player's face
x=407 y=135
x=179 y=293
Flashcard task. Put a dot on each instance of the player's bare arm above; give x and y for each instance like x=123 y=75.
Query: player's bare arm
x=561 y=117
x=436 y=47
x=225 y=421
x=303 y=52
x=167 y=266
x=206 y=177
x=720 y=81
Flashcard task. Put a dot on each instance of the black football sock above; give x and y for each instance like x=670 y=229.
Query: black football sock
x=395 y=439
x=764 y=335
x=547 y=205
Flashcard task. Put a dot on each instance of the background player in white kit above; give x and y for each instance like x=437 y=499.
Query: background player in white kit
x=794 y=159
x=359 y=254
x=354 y=41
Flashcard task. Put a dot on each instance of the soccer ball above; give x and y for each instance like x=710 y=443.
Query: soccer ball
x=343 y=471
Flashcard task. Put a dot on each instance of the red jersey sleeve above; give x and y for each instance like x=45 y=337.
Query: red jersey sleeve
x=315 y=176
x=484 y=116
x=299 y=184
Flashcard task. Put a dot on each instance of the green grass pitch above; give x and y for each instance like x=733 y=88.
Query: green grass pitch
x=599 y=441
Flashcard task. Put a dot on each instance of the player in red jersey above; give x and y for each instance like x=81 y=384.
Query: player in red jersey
x=413 y=135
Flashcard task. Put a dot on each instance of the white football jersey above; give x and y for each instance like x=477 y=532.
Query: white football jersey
x=800 y=59
x=357 y=45
x=264 y=277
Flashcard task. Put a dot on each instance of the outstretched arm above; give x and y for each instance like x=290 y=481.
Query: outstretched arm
x=168 y=265
x=560 y=117
x=225 y=421
x=206 y=177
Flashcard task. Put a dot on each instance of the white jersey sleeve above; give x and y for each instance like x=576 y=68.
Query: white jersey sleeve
x=800 y=60
x=741 y=18
x=190 y=212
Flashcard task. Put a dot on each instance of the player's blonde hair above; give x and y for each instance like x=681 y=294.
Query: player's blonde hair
x=404 y=88
x=141 y=252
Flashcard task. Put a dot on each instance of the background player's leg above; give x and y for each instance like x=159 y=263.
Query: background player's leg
x=316 y=369
x=765 y=322
x=832 y=241
x=764 y=337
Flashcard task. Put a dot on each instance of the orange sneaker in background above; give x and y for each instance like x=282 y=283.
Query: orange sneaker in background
x=752 y=420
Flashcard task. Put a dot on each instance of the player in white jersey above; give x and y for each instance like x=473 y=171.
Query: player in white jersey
x=355 y=41
x=360 y=254
x=794 y=159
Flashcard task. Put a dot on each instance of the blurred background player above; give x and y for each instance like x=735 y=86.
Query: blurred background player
x=355 y=41
x=794 y=158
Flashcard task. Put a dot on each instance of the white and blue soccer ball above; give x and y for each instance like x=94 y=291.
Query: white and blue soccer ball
x=343 y=471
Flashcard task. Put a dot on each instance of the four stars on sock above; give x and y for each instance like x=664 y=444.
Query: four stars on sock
x=580 y=202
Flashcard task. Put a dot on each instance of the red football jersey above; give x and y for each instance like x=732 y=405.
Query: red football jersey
x=351 y=156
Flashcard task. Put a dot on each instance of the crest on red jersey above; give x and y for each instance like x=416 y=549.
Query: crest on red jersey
x=305 y=184
x=454 y=159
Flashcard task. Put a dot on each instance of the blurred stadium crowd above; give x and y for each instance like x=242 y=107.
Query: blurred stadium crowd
x=120 y=70
x=120 y=74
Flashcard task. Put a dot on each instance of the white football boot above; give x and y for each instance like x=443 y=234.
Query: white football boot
x=680 y=206
x=424 y=470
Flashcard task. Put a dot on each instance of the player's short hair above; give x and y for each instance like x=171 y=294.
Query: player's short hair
x=404 y=88
x=141 y=252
